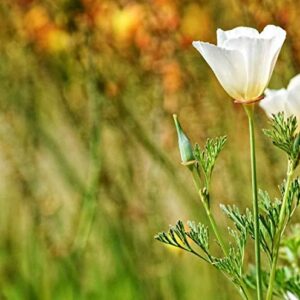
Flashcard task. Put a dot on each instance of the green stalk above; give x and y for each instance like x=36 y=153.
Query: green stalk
x=249 y=110
x=208 y=212
x=90 y=197
x=244 y=290
x=280 y=229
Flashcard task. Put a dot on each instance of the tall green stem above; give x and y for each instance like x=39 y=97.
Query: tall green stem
x=244 y=290
x=89 y=201
x=249 y=110
x=208 y=212
x=280 y=229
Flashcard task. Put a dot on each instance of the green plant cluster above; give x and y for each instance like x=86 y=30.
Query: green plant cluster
x=195 y=238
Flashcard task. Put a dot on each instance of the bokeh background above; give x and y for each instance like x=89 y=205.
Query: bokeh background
x=90 y=169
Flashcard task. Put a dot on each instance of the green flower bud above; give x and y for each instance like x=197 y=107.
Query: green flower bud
x=185 y=148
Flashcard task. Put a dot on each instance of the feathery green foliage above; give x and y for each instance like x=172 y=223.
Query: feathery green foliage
x=178 y=237
x=272 y=216
x=207 y=156
x=283 y=134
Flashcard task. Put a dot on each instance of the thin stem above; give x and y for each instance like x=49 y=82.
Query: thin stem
x=280 y=230
x=249 y=110
x=208 y=212
x=89 y=202
x=243 y=290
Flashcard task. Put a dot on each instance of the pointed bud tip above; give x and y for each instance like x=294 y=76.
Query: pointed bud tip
x=185 y=148
x=177 y=124
x=175 y=118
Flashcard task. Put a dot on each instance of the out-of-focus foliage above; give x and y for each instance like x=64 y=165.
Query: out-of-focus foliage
x=89 y=164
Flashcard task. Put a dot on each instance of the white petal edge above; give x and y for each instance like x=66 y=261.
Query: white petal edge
x=271 y=31
x=294 y=83
x=223 y=35
x=228 y=66
x=293 y=100
x=278 y=35
x=274 y=102
x=290 y=296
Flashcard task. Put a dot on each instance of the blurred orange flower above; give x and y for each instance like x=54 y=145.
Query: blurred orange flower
x=35 y=20
x=143 y=39
x=43 y=32
x=167 y=17
x=100 y=14
x=171 y=77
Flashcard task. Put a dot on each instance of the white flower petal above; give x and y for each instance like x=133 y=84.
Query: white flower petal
x=257 y=58
x=228 y=66
x=292 y=108
x=260 y=56
x=223 y=35
x=286 y=100
x=293 y=100
x=294 y=84
x=277 y=35
x=244 y=59
x=290 y=296
x=270 y=93
x=273 y=61
x=271 y=31
x=274 y=102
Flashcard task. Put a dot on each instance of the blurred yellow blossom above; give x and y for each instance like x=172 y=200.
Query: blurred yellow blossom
x=43 y=32
x=57 y=40
x=126 y=21
x=196 y=23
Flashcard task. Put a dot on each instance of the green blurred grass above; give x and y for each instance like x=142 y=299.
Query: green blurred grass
x=89 y=161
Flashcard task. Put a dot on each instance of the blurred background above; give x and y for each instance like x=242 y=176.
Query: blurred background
x=90 y=170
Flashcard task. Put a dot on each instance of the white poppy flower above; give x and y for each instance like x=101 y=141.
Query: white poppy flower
x=290 y=296
x=283 y=100
x=243 y=59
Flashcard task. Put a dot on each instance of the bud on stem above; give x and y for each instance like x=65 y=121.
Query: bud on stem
x=185 y=148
